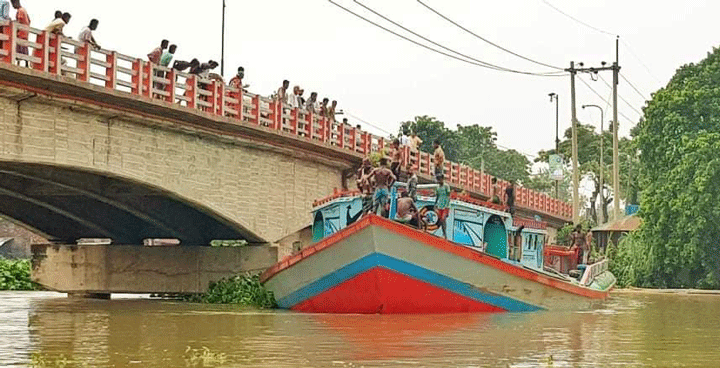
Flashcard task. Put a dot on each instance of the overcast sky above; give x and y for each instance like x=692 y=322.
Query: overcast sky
x=386 y=80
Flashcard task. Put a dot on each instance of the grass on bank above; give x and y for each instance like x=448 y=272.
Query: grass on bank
x=15 y=275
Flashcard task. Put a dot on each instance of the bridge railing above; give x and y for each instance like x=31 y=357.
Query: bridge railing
x=76 y=60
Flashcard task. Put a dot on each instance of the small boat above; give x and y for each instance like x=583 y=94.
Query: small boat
x=371 y=264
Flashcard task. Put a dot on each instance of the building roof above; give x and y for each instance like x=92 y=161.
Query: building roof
x=627 y=223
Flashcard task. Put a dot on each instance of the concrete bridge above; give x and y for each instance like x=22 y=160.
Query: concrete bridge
x=104 y=145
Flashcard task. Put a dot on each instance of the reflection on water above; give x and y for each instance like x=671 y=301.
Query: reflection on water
x=635 y=330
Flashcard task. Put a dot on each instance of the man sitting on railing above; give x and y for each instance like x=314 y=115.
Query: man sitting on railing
x=23 y=18
x=311 y=102
x=87 y=36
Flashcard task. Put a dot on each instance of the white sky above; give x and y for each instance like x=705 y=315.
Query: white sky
x=385 y=80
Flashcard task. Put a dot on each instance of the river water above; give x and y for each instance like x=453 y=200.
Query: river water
x=49 y=330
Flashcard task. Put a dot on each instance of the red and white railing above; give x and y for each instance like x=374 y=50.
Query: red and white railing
x=72 y=59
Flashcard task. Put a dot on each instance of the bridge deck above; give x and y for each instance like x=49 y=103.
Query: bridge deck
x=108 y=79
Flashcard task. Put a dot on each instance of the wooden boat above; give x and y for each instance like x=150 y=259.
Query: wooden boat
x=375 y=265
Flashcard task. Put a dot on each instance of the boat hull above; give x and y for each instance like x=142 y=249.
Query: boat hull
x=378 y=266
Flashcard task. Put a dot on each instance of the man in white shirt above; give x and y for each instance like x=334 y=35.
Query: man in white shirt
x=57 y=25
x=87 y=36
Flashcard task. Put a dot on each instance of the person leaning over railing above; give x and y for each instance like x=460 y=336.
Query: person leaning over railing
x=58 y=24
x=87 y=36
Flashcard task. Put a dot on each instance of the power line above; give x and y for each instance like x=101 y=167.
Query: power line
x=425 y=38
x=621 y=97
x=486 y=40
x=603 y=98
x=367 y=123
x=441 y=52
x=627 y=45
x=633 y=87
x=577 y=20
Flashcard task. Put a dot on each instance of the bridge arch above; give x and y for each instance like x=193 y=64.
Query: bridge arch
x=67 y=203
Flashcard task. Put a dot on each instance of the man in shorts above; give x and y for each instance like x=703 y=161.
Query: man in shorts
x=384 y=178
x=442 y=202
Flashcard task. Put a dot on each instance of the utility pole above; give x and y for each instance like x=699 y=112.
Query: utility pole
x=616 y=159
x=556 y=97
x=616 y=177
x=222 y=48
x=601 y=217
x=576 y=174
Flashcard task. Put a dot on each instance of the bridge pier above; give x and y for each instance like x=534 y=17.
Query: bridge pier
x=96 y=271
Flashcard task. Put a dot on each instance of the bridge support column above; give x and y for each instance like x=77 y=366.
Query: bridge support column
x=96 y=271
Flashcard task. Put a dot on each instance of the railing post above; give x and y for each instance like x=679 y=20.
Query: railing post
x=137 y=78
x=294 y=121
x=323 y=129
x=191 y=91
x=221 y=98
x=54 y=55
x=42 y=53
x=84 y=62
x=256 y=109
x=213 y=97
x=240 y=104
x=111 y=71
x=170 y=88
x=9 y=46
x=148 y=82
x=341 y=135
x=309 y=126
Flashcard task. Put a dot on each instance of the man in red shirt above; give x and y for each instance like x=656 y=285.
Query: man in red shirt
x=154 y=55
x=23 y=18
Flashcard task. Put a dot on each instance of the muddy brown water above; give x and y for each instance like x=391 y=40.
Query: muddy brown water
x=639 y=330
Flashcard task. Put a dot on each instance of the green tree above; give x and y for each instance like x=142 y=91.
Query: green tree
x=679 y=172
x=429 y=129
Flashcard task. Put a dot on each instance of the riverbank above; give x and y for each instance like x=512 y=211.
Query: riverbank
x=633 y=290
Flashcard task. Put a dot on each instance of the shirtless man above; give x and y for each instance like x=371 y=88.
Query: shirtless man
x=397 y=158
x=363 y=177
x=384 y=178
x=495 y=192
x=407 y=213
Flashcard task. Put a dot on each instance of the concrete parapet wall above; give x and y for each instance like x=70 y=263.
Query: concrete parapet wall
x=266 y=191
x=137 y=269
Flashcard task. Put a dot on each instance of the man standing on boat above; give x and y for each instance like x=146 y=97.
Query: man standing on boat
x=412 y=182
x=364 y=184
x=384 y=178
x=442 y=202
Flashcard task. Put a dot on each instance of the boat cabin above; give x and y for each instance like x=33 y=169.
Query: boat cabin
x=486 y=226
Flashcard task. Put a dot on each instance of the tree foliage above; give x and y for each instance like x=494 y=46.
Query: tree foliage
x=679 y=172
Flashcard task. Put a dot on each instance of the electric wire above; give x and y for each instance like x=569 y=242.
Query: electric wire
x=427 y=39
x=486 y=40
x=441 y=52
x=621 y=97
x=603 y=98
x=633 y=87
x=627 y=45
x=367 y=123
